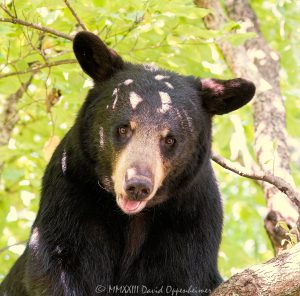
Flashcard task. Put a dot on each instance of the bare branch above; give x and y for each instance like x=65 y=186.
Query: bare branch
x=133 y=26
x=278 y=182
x=38 y=47
x=17 y=21
x=14 y=7
x=16 y=244
x=279 y=276
x=35 y=68
x=83 y=26
x=6 y=10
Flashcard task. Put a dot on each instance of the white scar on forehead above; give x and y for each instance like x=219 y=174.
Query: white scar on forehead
x=165 y=102
x=115 y=94
x=150 y=67
x=135 y=99
x=161 y=77
x=128 y=81
x=169 y=85
x=101 y=137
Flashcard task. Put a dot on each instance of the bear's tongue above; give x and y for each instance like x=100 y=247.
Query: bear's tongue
x=129 y=205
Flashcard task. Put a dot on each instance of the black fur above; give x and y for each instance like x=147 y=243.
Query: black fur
x=81 y=240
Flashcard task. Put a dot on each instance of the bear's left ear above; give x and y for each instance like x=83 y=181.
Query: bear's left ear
x=94 y=57
x=223 y=96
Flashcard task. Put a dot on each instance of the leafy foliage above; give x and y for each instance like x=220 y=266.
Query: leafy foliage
x=168 y=33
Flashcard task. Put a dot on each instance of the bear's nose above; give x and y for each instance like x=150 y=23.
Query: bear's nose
x=138 y=188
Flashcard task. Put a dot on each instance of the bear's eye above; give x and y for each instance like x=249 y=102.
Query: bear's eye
x=170 y=141
x=124 y=131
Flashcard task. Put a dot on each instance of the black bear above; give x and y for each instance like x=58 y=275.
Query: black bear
x=129 y=200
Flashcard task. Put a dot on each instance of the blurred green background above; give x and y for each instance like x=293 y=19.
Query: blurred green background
x=171 y=35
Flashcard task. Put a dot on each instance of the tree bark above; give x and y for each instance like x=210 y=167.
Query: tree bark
x=9 y=115
x=257 y=62
x=278 y=277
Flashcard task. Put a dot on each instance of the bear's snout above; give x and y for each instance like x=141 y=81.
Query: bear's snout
x=138 y=183
x=138 y=188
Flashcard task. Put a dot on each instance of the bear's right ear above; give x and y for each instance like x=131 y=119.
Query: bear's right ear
x=94 y=57
x=223 y=96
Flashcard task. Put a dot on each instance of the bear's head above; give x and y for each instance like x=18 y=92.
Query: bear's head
x=148 y=130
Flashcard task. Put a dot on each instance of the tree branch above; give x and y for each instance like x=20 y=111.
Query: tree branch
x=278 y=182
x=9 y=116
x=36 y=68
x=17 y=21
x=83 y=26
x=279 y=276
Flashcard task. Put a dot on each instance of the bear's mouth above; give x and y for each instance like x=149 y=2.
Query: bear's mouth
x=131 y=207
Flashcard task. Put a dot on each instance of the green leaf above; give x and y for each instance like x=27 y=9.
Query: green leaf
x=238 y=39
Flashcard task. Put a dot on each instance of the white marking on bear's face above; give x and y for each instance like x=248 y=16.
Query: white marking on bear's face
x=115 y=102
x=128 y=81
x=150 y=67
x=64 y=162
x=101 y=137
x=161 y=77
x=169 y=85
x=165 y=102
x=135 y=99
x=115 y=94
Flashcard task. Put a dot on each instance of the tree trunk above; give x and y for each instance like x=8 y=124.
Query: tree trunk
x=257 y=62
x=278 y=277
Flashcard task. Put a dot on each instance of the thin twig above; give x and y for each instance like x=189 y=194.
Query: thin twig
x=17 y=21
x=37 y=48
x=6 y=10
x=80 y=22
x=14 y=7
x=16 y=244
x=278 y=182
x=37 y=68
x=133 y=26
